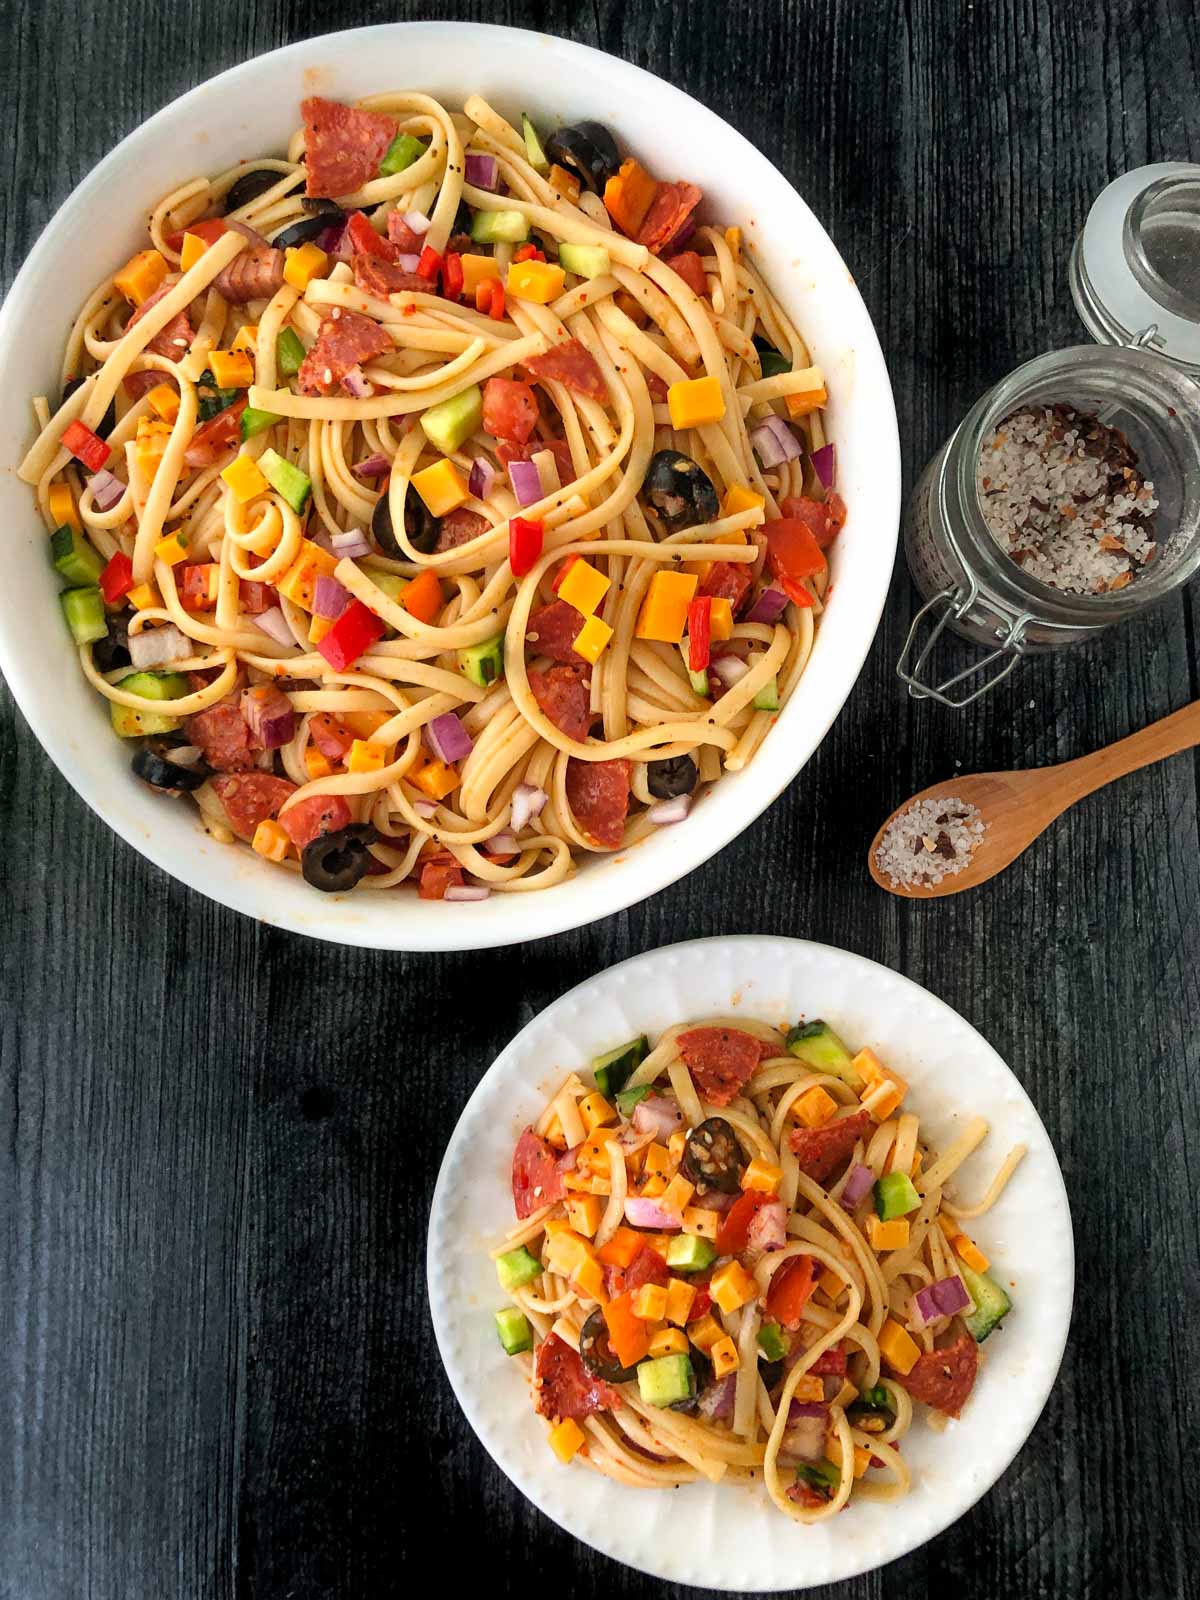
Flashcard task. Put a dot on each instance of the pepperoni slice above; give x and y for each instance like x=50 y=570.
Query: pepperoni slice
x=830 y=1365
x=646 y=1267
x=253 y=274
x=598 y=794
x=670 y=209
x=944 y=1379
x=720 y=1060
x=403 y=237
x=171 y=341
x=552 y=631
x=217 y=434
x=346 y=339
x=691 y=269
x=728 y=580
x=250 y=798
x=136 y=384
x=510 y=409
x=821 y=1151
x=343 y=146
x=537 y=1179
x=255 y=598
x=509 y=453
x=437 y=874
x=374 y=275
x=460 y=527
x=307 y=819
x=570 y=364
x=223 y=735
x=565 y=696
x=733 y=1231
x=565 y=1388
x=331 y=737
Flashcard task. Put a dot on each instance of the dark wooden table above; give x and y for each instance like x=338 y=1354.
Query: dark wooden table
x=220 y=1141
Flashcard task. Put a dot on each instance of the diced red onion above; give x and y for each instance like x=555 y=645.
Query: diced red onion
x=547 y=470
x=106 y=489
x=269 y=715
x=528 y=802
x=824 y=463
x=247 y=232
x=664 y=812
x=424 y=808
x=569 y=1160
x=769 y=606
x=408 y=263
x=775 y=442
x=807 y=1408
x=466 y=891
x=417 y=221
x=729 y=669
x=925 y=1308
x=275 y=625
x=356 y=382
x=373 y=467
x=857 y=1186
x=350 y=545
x=482 y=172
x=482 y=479
x=526 y=482
x=714 y=1200
x=804 y=1439
x=715 y=1403
x=330 y=598
x=448 y=739
x=657 y=1115
x=502 y=844
x=950 y=1296
x=153 y=647
x=319 y=534
x=643 y=1213
x=768 y=1227
x=186 y=755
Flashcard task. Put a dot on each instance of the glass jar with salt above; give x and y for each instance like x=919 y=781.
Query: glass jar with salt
x=1068 y=498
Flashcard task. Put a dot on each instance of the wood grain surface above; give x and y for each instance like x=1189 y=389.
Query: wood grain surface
x=219 y=1142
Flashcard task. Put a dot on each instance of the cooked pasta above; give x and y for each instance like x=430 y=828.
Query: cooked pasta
x=750 y=1270
x=434 y=506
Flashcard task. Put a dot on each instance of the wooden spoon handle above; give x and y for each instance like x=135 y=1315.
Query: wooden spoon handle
x=1179 y=731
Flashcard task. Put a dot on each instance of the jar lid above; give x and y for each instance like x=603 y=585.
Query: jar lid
x=1135 y=268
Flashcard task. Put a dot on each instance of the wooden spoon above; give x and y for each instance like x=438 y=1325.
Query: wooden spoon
x=1017 y=806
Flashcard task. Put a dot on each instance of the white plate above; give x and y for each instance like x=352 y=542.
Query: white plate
x=731 y=1537
x=253 y=109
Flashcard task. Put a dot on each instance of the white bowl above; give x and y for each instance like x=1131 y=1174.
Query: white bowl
x=729 y=1536
x=252 y=110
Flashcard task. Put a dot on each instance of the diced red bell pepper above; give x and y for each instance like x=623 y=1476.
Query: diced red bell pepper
x=210 y=231
x=525 y=535
x=429 y=264
x=529 y=252
x=496 y=309
x=438 y=874
x=562 y=572
x=452 y=275
x=793 y=554
x=733 y=1233
x=117 y=578
x=699 y=625
x=790 y=1289
x=356 y=629
x=830 y=1365
x=363 y=238
x=85 y=445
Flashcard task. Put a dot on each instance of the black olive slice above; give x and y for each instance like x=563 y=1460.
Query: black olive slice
x=421 y=527
x=108 y=421
x=248 y=187
x=112 y=651
x=587 y=150
x=334 y=862
x=713 y=1158
x=680 y=490
x=307 y=228
x=597 y=1353
x=319 y=206
x=156 y=769
x=676 y=775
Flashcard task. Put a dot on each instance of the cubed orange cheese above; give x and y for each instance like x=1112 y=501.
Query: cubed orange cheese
x=144 y=597
x=165 y=401
x=246 y=338
x=724 y=1357
x=763 y=1176
x=676 y=1145
x=172 y=549
x=663 y=616
x=732 y=1286
x=193 y=248
x=63 y=509
x=592 y=639
x=669 y=1342
x=677 y=1194
x=440 y=487
x=967 y=1250
x=593 y=1152
x=862 y=1457
x=584 y=587
x=566 y=1440
x=883 y=1097
x=539 y=281
x=654 y=1187
x=315 y=764
x=700 y=1222
x=680 y=1296
x=232 y=369
x=585 y=1182
x=809 y=1390
x=588 y=1279
x=244 y=479
x=657 y=1159
x=868 y=1065
x=740 y=498
x=596 y=1111
x=831 y=1284
x=436 y=779
x=584 y=1213
x=141 y=276
x=898 y=1348
x=650 y=1302
x=706 y=1332
x=150 y=442
x=811 y=397
x=814 y=1108
x=474 y=270
x=733 y=238
x=302 y=264
x=366 y=756
x=299 y=582
x=565 y=1251
x=318 y=627
x=720 y=620
x=270 y=840
x=366 y=724
x=891 y=1235
x=695 y=402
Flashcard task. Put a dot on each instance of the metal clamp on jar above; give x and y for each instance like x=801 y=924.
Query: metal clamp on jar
x=1135 y=277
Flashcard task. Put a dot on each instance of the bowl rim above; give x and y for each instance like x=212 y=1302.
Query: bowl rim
x=336 y=920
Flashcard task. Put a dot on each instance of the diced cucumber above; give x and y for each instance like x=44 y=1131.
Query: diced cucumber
x=816 y=1044
x=130 y=721
x=821 y=1475
x=533 y=145
x=289 y=353
x=612 y=1071
x=255 y=421
x=73 y=556
x=895 y=1196
x=686 y=1252
x=584 y=260
x=392 y=584
x=402 y=152
x=517 y=1267
x=515 y=1333
x=628 y=1098
x=773 y=364
x=772 y=1343
x=767 y=698
x=483 y=663
x=666 y=1380
x=451 y=423
x=83 y=609
x=295 y=486
x=991 y=1303
x=499 y=227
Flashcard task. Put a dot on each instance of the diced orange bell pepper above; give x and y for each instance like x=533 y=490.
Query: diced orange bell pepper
x=629 y=195
x=621 y=1248
x=423 y=597
x=628 y=1334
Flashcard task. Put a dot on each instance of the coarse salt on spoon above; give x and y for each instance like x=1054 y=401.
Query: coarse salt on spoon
x=1015 y=807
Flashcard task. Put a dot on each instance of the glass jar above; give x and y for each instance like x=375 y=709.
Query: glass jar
x=1141 y=383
